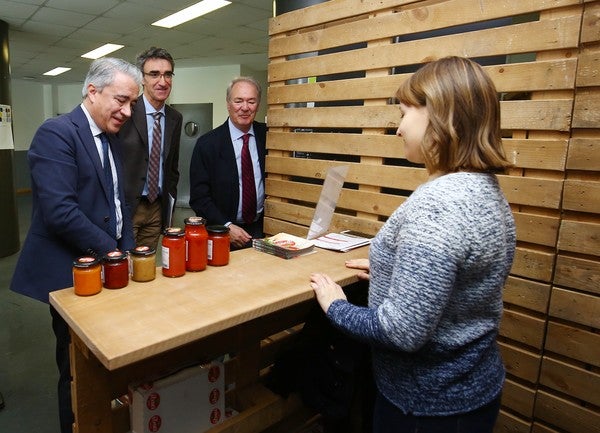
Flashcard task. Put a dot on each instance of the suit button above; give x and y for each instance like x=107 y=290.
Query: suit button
x=106 y=219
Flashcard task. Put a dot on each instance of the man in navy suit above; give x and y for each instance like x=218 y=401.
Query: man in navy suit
x=76 y=211
x=152 y=213
x=215 y=169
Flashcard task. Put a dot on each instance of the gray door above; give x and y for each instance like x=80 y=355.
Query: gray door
x=197 y=120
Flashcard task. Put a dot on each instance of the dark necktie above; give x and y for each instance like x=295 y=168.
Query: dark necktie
x=154 y=163
x=248 y=186
x=112 y=229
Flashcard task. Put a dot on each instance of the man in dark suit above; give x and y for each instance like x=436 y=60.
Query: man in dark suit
x=78 y=208
x=152 y=212
x=216 y=191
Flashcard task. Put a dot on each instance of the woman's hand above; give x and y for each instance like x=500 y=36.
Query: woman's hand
x=362 y=264
x=326 y=290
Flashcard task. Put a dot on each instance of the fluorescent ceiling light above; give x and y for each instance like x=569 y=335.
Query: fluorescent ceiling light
x=57 y=71
x=102 y=51
x=190 y=13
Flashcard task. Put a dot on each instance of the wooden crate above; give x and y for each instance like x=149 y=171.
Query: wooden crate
x=333 y=71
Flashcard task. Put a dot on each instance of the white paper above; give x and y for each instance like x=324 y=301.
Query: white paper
x=6 y=137
x=327 y=201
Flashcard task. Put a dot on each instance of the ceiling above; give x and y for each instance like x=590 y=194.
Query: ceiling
x=44 y=34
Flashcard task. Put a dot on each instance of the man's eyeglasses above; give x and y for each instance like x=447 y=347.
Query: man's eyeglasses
x=155 y=75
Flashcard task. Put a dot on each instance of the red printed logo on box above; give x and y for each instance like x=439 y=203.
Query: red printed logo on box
x=215 y=416
x=153 y=401
x=154 y=423
x=214 y=396
x=213 y=373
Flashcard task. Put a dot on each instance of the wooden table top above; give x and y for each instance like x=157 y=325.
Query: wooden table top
x=126 y=325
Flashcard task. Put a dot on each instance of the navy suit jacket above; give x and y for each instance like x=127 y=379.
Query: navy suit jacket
x=214 y=179
x=134 y=155
x=71 y=210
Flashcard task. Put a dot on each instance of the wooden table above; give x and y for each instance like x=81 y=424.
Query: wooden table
x=146 y=329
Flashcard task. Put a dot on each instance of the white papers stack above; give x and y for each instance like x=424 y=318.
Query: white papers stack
x=341 y=241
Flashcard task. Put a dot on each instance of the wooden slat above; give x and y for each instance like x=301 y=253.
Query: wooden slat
x=540 y=428
x=573 y=342
x=518 y=398
x=545 y=193
x=571 y=380
x=590 y=31
x=587 y=69
x=579 y=236
x=584 y=154
x=540 y=154
x=361 y=201
x=517 y=77
x=406 y=178
x=582 y=196
x=533 y=264
x=575 y=307
x=510 y=423
x=520 y=363
x=586 y=113
x=578 y=273
x=527 y=294
x=379 y=145
x=326 y=12
x=569 y=416
x=538 y=229
x=520 y=38
x=552 y=115
x=523 y=328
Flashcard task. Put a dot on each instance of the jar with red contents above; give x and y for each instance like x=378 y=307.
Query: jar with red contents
x=173 y=252
x=87 y=276
x=218 y=245
x=196 y=244
x=116 y=270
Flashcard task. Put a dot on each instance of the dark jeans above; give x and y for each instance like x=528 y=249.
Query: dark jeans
x=63 y=338
x=389 y=419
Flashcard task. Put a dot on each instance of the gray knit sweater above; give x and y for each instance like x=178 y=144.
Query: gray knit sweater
x=437 y=269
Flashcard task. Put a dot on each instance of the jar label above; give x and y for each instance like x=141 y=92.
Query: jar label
x=165 y=257
x=210 y=249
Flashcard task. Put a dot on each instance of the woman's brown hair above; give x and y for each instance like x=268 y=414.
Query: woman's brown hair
x=464 y=116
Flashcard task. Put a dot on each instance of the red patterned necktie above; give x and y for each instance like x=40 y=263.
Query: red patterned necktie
x=154 y=163
x=248 y=186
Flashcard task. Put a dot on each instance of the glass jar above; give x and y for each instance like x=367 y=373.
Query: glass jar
x=196 y=244
x=87 y=276
x=116 y=270
x=218 y=245
x=173 y=252
x=143 y=263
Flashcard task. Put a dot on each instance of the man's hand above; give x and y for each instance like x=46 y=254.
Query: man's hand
x=238 y=236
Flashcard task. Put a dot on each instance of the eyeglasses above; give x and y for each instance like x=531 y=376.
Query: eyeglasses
x=155 y=75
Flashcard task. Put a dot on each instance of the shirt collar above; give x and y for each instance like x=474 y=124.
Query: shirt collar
x=93 y=127
x=236 y=133
x=150 y=109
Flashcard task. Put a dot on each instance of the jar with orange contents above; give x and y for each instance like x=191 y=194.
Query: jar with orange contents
x=173 y=252
x=87 y=276
x=218 y=245
x=196 y=240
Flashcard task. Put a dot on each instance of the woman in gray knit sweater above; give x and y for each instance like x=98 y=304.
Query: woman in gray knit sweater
x=437 y=267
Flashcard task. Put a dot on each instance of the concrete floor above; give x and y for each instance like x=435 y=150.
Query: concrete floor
x=28 y=373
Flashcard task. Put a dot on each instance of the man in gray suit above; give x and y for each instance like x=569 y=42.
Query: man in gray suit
x=151 y=192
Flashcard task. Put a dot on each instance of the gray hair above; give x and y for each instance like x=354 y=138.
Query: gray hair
x=246 y=80
x=102 y=73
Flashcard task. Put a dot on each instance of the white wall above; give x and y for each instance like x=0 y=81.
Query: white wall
x=31 y=104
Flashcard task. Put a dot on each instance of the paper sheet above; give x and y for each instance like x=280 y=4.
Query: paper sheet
x=327 y=201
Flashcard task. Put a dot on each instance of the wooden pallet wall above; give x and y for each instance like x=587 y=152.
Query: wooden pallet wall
x=333 y=70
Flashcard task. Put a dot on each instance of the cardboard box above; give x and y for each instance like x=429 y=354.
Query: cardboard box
x=189 y=401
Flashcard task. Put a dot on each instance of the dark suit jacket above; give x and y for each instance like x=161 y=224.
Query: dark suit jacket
x=71 y=210
x=135 y=156
x=214 y=178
